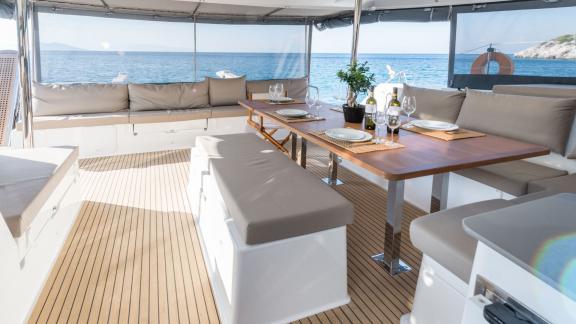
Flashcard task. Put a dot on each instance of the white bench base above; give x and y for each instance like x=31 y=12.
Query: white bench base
x=26 y=261
x=440 y=296
x=274 y=282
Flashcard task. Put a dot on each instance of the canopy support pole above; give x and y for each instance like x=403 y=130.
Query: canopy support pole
x=22 y=14
x=309 y=29
x=356 y=30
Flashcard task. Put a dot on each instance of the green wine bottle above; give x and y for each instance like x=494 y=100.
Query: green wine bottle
x=371 y=106
x=394 y=102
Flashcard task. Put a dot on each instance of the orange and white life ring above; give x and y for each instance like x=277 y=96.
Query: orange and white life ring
x=505 y=63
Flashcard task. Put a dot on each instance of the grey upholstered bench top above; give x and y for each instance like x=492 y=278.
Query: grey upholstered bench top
x=27 y=179
x=269 y=196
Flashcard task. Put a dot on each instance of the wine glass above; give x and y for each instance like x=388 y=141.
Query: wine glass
x=379 y=120
x=312 y=97
x=279 y=90
x=393 y=120
x=409 y=107
x=272 y=95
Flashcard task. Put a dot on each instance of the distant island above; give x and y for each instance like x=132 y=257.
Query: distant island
x=563 y=48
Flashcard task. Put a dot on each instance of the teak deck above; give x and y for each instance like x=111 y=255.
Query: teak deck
x=422 y=156
x=133 y=255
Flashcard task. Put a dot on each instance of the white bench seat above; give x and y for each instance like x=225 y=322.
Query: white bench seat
x=27 y=179
x=273 y=235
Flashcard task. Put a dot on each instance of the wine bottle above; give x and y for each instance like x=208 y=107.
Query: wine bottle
x=371 y=106
x=394 y=102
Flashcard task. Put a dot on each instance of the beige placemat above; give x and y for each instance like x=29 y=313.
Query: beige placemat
x=358 y=148
x=296 y=120
x=293 y=102
x=446 y=136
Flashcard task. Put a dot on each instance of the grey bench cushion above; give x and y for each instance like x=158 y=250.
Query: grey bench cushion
x=226 y=92
x=167 y=116
x=27 y=179
x=168 y=96
x=82 y=120
x=560 y=184
x=538 y=120
x=442 y=237
x=511 y=177
x=229 y=111
x=443 y=105
x=74 y=99
x=269 y=196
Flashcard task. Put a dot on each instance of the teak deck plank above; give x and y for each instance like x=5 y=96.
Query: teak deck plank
x=133 y=255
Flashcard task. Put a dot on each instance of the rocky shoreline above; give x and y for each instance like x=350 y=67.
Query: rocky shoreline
x=560 y=48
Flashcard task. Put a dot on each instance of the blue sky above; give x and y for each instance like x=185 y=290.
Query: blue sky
x=509 y=32
x=129 y=35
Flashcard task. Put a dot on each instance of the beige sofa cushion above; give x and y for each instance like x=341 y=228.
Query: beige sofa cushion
x=537 y=90
x=227 y=92
x=260 y=187
x=167 y=116
x=545 y=90
x=295 y=88
x=229 y=111
x=74 y=99
x=435 y=104
x=27 y=179
x=560 y=184
x=442 y=237
x=168 y=96
x=538 y=120
x=85 y=120
x=511 y=177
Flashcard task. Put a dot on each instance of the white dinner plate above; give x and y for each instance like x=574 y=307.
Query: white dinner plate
x=434 y=125
x=348 y=134
x=292 y=113
x=283 y=99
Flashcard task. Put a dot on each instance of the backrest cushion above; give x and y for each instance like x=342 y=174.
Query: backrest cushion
x=432 y=104
x=545 y=90
x=168 y=96
x=74 y=99
x=538 y=120
x=295 y=88
x=226 y=92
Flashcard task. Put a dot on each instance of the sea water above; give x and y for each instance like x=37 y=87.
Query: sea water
x=427 y=70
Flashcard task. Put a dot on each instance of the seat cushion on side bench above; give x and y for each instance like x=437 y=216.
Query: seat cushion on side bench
x=443 y=105
x=27 y=179
x=226 y=92
x=270 y=197
x=168 y=96
x=511 y=177
x=85 y=120
x=442 y=237
x=166 y=116
x=77 y=99
x=537 y=120
x=560 y=184
x=229 y=111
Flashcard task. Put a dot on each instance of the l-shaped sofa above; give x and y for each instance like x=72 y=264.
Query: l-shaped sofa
x=109 y=119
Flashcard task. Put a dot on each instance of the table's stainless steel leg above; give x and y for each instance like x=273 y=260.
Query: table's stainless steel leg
x=294 y=151
x=439 y=199
x=333 y=169
x=390 y=259
x=303 y=149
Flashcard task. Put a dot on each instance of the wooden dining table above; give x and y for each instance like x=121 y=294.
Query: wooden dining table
x=421 y=156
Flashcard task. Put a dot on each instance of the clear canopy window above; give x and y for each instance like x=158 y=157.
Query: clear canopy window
x=8 y=31
x=257 y=51
x=531 y=42
x=103 y=50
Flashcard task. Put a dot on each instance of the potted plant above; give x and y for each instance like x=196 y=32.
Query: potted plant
x=359 y=80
